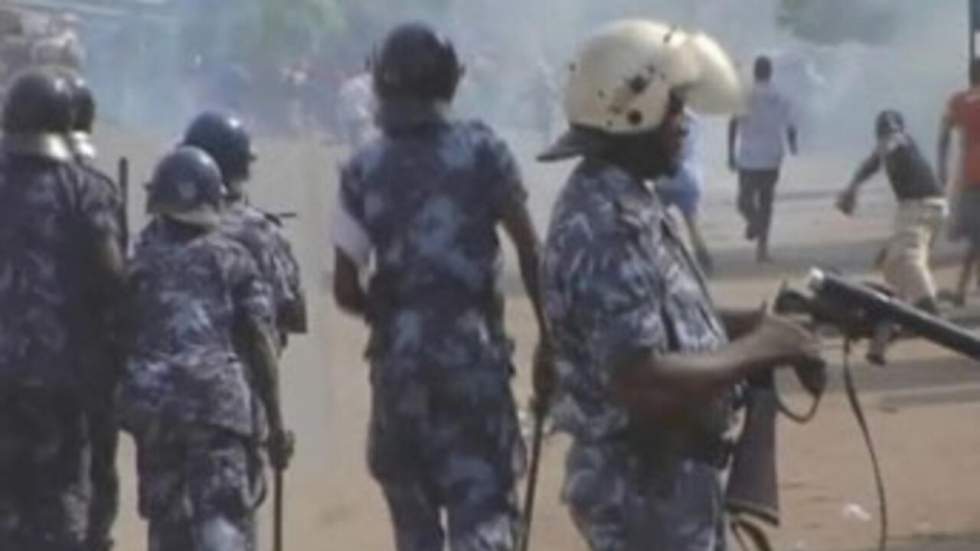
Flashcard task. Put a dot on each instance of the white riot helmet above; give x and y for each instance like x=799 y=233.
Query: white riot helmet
x=624 y=75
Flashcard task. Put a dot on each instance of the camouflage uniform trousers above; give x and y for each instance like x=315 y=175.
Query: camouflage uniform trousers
x=190 y=476
x=44 y=461
x=620 y=502
x=431 y=455
x=104 y=477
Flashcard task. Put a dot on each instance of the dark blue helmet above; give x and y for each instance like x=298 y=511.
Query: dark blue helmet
x=187 y=186
x=226 y=140
x=82 y=103
x=37 y=116
x=83 y=115
x=416 y=62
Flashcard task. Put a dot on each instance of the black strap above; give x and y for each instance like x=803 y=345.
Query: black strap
x=801 y=418
x=855 y=402
x=746 y=531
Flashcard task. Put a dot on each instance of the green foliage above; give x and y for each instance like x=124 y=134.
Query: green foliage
x=279 y=30
x=836 y=21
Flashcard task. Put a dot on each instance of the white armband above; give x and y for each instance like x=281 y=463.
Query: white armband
x=350 y=237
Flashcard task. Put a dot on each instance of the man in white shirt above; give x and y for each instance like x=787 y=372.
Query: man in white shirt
x=759 y=134
x=355 y=109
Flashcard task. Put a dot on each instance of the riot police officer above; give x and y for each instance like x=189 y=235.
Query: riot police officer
x=425 y=202
x=100 y=397
x=201 y=377
x=649 y=370
x=61 y=268
x=227 y=141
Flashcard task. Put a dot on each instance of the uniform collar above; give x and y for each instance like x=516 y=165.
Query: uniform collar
x=620 y=180
x=404 y=113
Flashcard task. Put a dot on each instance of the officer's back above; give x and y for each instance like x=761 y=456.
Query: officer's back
x=60 y=266
x=429 y=197
x=54 y=218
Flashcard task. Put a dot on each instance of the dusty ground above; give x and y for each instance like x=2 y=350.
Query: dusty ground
x=922 y=409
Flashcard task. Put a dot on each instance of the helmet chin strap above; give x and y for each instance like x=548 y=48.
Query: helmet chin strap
x=642 y=155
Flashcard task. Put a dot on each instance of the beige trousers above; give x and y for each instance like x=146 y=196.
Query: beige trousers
x=906 y=261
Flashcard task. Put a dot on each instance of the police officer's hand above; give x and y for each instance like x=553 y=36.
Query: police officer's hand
x=781 y=342
x=543 y=373
x=281 y=446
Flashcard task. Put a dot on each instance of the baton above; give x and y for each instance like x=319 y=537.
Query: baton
x=539 y=410
x=277 y=511
x=123 y=176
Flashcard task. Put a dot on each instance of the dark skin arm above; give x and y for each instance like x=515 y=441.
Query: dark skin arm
x=868 y=168
x=264 y=371
x=347 y=289
x=791 y=139
x=518 y=225
x=740 y=322
x=847 y=199
x=732 y=136
x=669 y=387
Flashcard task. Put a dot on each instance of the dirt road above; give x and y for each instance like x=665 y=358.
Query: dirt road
x=924 y=409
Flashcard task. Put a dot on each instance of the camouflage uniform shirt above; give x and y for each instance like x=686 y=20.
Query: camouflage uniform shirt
x=426 y=200
x=261 y=234
x=188 y=295
x=52 y=308
x=618 y=281
x=52 y=303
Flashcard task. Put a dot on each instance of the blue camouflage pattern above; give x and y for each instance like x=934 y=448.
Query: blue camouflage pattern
x=52 y=308
x=192 y=474
x=188 y=295
x=616 y=281
x=100 y=402
x=53 y=305
x=262 y=235
x=443 y=434
x=185 y=394
x=44 y=456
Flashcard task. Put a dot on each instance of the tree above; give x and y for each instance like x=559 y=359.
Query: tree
x=837 y=21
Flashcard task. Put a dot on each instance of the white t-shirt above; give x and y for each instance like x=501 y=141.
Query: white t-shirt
x=356 y=101
x=762 y=129
x=356 y=107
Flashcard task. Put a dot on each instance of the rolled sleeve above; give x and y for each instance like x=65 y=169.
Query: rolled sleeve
x=348 y=231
